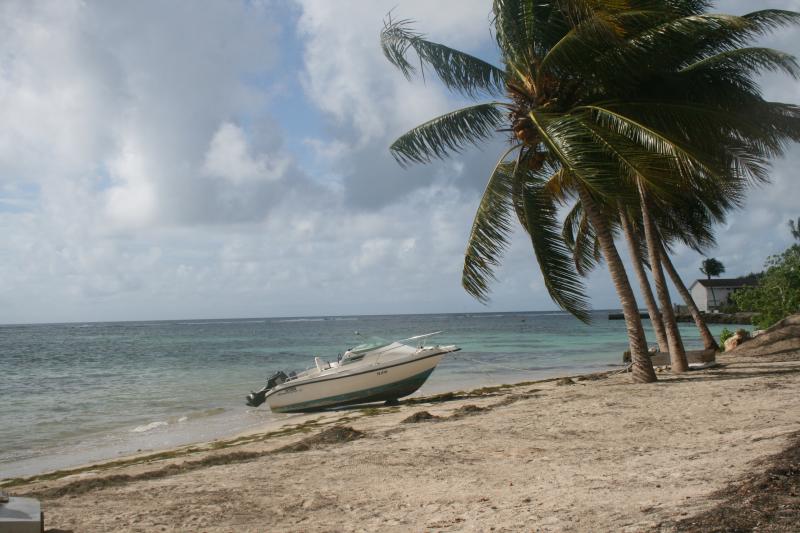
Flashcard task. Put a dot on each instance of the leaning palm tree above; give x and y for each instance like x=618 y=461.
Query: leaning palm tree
x=709 y=342
x=583 y=244
x=684 y=222
x=691 y=224
x=632 y=103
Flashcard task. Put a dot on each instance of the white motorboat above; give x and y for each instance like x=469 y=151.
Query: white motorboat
x=372 y=372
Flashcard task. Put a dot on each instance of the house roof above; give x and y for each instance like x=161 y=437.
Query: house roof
x=733 y=283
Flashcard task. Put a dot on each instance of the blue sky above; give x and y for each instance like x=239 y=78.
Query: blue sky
x=229 y=159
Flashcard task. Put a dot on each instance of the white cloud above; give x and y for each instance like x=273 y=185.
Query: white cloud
x=132 y=201
x=347 y=76
x=229 y=157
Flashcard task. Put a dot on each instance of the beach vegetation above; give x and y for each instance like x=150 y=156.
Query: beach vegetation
x=724 y=335
x=637 y=109
x=777 y=294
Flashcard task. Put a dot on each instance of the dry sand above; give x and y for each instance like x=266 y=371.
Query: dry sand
x=593 y=455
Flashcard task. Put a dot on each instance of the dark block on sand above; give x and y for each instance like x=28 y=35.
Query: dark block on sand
x=21 y=515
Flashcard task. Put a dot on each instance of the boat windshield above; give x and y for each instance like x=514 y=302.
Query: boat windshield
x=373 y=343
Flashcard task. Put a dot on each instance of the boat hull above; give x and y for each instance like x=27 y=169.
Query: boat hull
x=372 y=384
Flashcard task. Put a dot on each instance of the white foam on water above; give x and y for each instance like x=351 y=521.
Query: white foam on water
x=149 y=427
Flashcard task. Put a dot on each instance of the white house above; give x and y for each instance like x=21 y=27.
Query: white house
x=710 y=294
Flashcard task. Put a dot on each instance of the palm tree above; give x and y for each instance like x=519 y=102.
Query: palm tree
x=634 y=103
x=677 y=353
x=794 y=227
x=583 y=243
x=712 y=267
x=693 y=229
x=709 y=342
x=635 y=251
x=691 y=224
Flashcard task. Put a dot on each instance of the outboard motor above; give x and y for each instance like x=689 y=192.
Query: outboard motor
x=254 y=399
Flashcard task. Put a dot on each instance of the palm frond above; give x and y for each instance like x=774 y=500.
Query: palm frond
x=491 y=228
x=767 y=20
x=677 y=42
x=458 y=71
x=451 y=132
x=561 y=279
x=580 y=238
x=687 y=162
x=688 y=7
x=687 y=221
x=747 y=61
x=525 y=30
x=571 y=223
x=725 y=140
x=578 y=50
x=574 y=148
x=636 y=163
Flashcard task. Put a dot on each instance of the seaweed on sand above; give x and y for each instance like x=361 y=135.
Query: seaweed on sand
x=334 y=435
x=421 y=416
x=767 y=500
x=327 y=437
x=469 y=409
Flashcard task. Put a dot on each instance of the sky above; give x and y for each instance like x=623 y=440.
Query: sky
x=215 y=159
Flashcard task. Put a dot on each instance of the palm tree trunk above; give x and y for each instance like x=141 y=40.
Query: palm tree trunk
x=677 y=354
x=642 y=367
x=713 y=297
x=644 y=284
x=709 y=343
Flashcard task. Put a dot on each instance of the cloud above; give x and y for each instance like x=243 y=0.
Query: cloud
x=347 y=76
x=166 y=160
x=135 y=95
x=368 y=102
x=229 y=157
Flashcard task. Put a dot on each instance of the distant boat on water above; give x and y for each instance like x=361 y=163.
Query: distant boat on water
x=375 y=371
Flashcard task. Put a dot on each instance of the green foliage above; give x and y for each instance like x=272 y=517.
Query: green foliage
x=778 y=292
x=604 y=100
x=515 y=187
x=491 y=229
x=729 y=308
x=725 y=335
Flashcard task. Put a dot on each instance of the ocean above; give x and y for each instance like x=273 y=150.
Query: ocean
x=74 y=393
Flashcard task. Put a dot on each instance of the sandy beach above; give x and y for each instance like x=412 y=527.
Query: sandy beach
x=589 y=453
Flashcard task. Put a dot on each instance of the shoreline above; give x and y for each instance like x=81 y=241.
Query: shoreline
x=287 y=426
x=273 y=422
x=590 y=450
x=104 y=411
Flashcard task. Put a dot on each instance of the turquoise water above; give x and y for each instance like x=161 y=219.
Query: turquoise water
x=74 y=393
